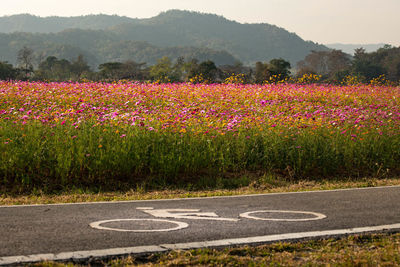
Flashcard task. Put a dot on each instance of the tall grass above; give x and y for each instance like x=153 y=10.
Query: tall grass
x=54 y=158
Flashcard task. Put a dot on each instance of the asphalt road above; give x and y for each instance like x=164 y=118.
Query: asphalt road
x=79 y=231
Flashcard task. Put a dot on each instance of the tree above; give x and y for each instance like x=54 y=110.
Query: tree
x=388 y=58
x=54 y=69
x=62 y=70
x=25 y=60
x=261 y=72
x=179 y=69
x=366 y=66
x=164 y=71
x=110 y=70
x=190 y=69
x=128 y=70
x=134 y=71
x=80 y=67
x=7 y=72
x=279 y=67
x=324 y=63
x=45 y=68
x=208 y=70
x=237 y=68
x=338 y=62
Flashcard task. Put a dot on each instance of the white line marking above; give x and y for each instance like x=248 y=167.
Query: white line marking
x=97 y=225
x=81 y=255
x=318 y=216
x=198 y=198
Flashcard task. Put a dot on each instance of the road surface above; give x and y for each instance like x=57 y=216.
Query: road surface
x=33 y=233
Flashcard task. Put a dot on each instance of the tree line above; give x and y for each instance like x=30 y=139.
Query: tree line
x=335 y=66
x=332 y=66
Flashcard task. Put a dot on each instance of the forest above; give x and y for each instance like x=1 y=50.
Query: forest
x=334 y=66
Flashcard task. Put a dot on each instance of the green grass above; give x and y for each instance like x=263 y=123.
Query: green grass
x=359 y=250
x=56 y=159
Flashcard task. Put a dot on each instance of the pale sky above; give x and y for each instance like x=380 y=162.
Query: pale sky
x=322 y=21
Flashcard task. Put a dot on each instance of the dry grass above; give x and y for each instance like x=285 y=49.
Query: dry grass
x=360 y=250
x=263 y=185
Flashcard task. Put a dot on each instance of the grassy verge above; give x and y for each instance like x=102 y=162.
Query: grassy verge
x=264 y=184
x=56 y=137
x=360 y=250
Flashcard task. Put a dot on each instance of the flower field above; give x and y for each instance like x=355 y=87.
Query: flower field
x=55 y=135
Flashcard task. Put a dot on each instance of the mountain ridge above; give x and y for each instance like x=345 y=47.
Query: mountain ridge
x=175 y=28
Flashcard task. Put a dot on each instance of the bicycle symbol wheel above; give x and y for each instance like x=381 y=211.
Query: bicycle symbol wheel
x=316 y=215
x=98 y=225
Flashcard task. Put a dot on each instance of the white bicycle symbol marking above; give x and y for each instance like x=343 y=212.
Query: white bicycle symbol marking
x=195 y=214
x=318 y=216
x=180 y=225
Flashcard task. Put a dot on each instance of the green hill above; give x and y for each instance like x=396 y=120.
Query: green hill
x=248 y=42
x=173 y=33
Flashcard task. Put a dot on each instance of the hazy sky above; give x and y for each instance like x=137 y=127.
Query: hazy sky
x=322 y=21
